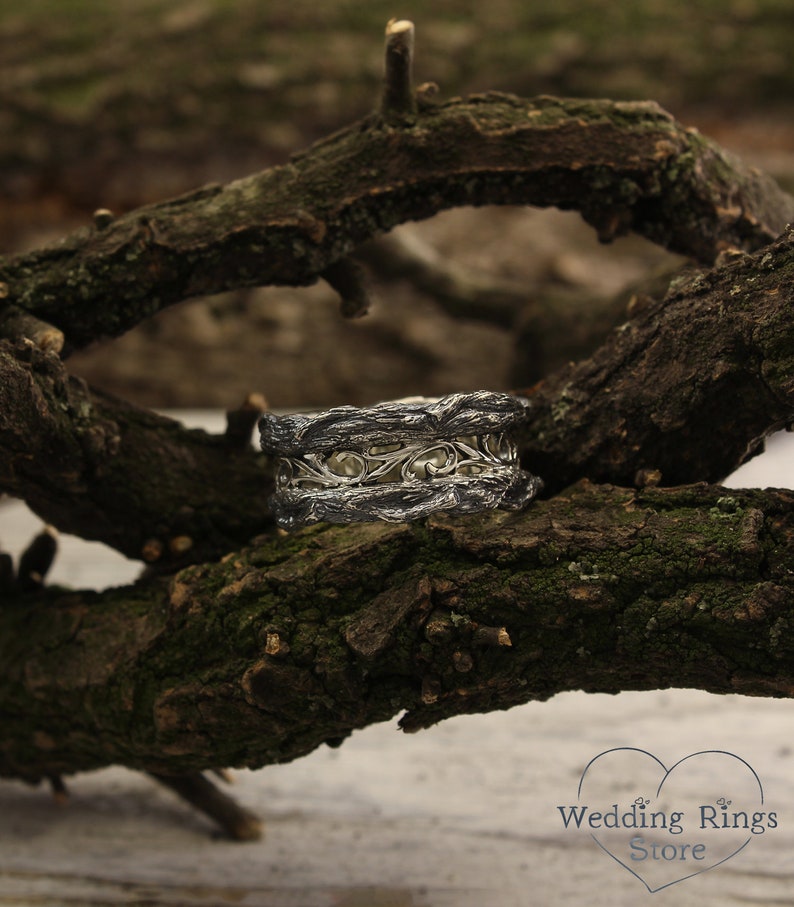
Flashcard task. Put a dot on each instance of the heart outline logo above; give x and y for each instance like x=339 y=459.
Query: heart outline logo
x=667 y=773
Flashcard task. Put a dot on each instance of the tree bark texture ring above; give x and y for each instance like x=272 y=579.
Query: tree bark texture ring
x=398 y=461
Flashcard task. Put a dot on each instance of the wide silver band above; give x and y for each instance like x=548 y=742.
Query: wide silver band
x=398 y=461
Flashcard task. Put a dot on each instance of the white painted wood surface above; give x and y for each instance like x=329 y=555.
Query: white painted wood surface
x=462 y=814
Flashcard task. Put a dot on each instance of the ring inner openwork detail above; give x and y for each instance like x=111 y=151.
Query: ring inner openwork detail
x=476 y=455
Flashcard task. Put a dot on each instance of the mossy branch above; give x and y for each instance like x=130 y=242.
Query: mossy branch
x=299 y=640
x=100 y=468
x=624 y=166
x=714 y=356
x=713 y=360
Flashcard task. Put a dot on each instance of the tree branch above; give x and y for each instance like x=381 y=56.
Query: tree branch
x=716 y=357
x=625 y=166
x=715 y=352
x=16 y=324
x=398 y=104
x=102 y=469
x=234 y=820
x=262 y=657
x=563 y=324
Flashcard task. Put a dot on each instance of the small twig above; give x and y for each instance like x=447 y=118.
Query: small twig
x=37 y=559
x=240 y=422
x=17 y=323
x=103 y=217
x=492 y=636
x=593 y=156
x=398 y=102
x=204 y=796
x=60 y=792
x=7 y=579
x=349 y=279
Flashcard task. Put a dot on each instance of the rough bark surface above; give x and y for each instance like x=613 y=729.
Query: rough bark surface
x=99 y=468
x=295 y=641
x=716 y=352
x=128 y=102
x=625 y=166
x=715 y=357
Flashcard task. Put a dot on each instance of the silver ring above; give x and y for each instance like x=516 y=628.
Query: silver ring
x=398 y=461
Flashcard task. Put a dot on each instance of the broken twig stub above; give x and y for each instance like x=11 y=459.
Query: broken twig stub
x=398 y=102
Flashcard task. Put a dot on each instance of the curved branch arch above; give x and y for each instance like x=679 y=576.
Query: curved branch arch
x=624 y=166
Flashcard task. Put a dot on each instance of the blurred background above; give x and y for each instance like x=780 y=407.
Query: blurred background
x=119 y=104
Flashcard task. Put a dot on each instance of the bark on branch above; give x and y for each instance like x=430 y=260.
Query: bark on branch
x=299 y=640
x=716 y=355
x=100 y=468
x=625 y=166
x=715 y=359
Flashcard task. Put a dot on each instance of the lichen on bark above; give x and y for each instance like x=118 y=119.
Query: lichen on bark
x=263 y=656
x=624 y=166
